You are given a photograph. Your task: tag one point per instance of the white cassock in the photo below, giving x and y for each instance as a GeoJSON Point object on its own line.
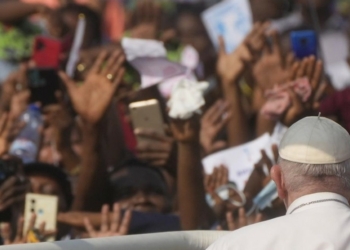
{"type": "Point", "coordinates": [319, 221]}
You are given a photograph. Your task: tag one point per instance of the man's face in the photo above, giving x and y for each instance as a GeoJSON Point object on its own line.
{"type": "Point", "coordinates": [148, 195]}
{"type": "Point", "coordinates": [145, 199]}
{"type": "Point", "coordinates": [41, 184]}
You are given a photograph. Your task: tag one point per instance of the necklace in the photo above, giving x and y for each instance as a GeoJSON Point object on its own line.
{"type": "Point", "coordinates": [318, 201]}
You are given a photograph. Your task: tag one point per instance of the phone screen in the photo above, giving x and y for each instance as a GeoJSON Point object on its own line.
{"type": "Point", "coordinates": [43, 84]}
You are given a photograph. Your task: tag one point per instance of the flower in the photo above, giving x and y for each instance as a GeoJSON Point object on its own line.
{"type": "Point", "coordinates": [186, 99]}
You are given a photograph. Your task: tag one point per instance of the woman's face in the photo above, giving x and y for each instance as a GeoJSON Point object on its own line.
{"type": "Point", "coordinates": [141, 192]}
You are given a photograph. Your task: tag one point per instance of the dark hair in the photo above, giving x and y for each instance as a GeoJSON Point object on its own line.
{"type": "Point", "coordinates": [93, 34]}
{"type": "Point", "coordinates": [54, 173]}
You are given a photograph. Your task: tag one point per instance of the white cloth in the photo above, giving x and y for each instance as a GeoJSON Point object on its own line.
{"type": "Point", "coordinates": [319, 226]}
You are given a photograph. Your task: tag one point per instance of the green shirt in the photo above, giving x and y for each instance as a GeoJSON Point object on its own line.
{"type": "Point", "coordinates": [16, 42]}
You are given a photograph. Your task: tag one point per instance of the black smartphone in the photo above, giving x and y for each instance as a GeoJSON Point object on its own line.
{"type": "Point", "coordinates": [8, 168]}
{"type": "Point", "coordinates": [43, 84]}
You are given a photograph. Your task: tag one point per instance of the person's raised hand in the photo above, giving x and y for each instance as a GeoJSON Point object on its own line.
{"type": "Point", "coordinates": [256, 39]}
{"type": "Point", "coordinates": [311, 68]}
{"type": "Point", "coordinates": [5, 125]}
{"type": "Point", "coordinates": [145, 20]}
{"type": "Point", "coordinates": [259, 178]}
{"type": "Point", "coordinates": [87, 57]}
{"type": "Point", "coordinates": [273, 67]}
{"type": "Point", "coordinates": [218, 178]}
{"type": "Point", "coordinates": [6, 233]}
{"type": "Point", "coordinates": [20, 238]}
{"type": "Point", "coordinates": [42, 233]}
{"type": "Point", "coordinates": [186, 131]}
{"type": "Point", "coordinates": [212, 122]}
{"type": "Point", "coordinates": [14, 84]}
{"type": "Point", "coordinates": [91, 99]}
{"type": "Point", "coordinates": [156, 149]}
{"type": "Point", "coordinates": [10, 122]}
{"type": "Point", "coordinates": [115, 225]}
{"type": "Point", "coordinates": [19, 103]}
{"type": "Point", "coordinates": [230, 66]}
{"type": "Point", "coordinates": [242, 220]}
{"type": "Point", "coordinates": [10, 127]}
{"type": "Point", "coordinates": [12, 191]}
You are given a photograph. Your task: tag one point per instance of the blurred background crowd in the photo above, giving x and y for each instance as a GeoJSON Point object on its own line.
{"type": "Point", "coordinates": [66, 130]}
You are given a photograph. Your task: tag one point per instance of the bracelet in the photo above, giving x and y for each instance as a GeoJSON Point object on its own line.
{"type": "Point", "coordinates": [224, 193]}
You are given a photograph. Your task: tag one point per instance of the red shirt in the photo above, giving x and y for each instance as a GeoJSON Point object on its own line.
{"type": "Point", "coordinates": [338, 104]}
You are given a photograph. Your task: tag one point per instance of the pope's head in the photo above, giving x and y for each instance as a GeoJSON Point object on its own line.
{"type": "Point", "coordinates": [314, 156]}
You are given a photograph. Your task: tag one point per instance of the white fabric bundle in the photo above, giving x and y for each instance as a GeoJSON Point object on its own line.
{"type": "Point", "coordinates": [187, 99]}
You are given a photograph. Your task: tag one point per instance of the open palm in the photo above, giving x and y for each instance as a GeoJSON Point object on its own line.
{"type": "Point", "coordinates": [92, 98]}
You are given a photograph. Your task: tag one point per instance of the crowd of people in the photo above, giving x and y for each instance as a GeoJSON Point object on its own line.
{"type": "Point", "coordinates": [109, 182]}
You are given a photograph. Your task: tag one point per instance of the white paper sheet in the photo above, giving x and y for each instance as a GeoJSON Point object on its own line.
{"type": "Point", "coordinates": [148, 57]}
{"type": "Point", "coordinates": [135, 48]}
{"type": "Point", "coordinates": [156, 70]}
{"type": "Point", "coordinates": [278, 133]}
{"type": "Point", "coordinates": [239, 160]}
{"type": "Point", "coordinates": [231, 19]}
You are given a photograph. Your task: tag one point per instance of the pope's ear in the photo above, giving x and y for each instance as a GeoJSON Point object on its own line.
{"type": "Point", "coordinates": [277, 177]}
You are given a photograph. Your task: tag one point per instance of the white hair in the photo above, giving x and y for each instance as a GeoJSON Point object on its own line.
{"type": "Point", "coordinates": [301, 175]}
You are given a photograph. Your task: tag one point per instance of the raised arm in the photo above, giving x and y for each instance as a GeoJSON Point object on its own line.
{"type": "Point", "coordinates": [190, 179]}
{"type": "Point", "coordinates": [13, 11]}
{"type": "Point", "coordinates": [91, 101]}
{"type": "Point", "coordinates": [230, 68]}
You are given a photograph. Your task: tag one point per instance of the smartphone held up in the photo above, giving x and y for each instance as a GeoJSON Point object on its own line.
{"type": "Point", "coordinates": [304, 43]}
{"type": "Point", "coordinates": [147, 115]}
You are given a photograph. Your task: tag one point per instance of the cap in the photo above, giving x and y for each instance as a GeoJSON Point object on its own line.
{"type": "Point", "coordinates": [315, 140]}
{"type": "Point", "coordinates": [54, 173]}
